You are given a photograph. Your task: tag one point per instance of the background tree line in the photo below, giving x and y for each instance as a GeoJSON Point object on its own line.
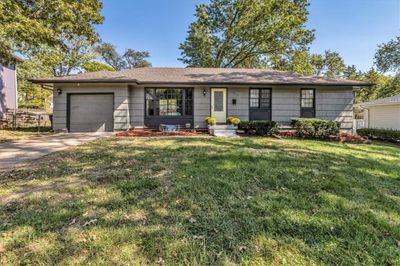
{"type": "Point", "coordinates": [58, 38]}
{"type": "Point", "coordinates": [272, 33]}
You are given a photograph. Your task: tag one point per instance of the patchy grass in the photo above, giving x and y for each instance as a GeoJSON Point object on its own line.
{"type": "Point", "coordinates": [205, 201]}
{"type": "Point", "coordinates": [22, 133]}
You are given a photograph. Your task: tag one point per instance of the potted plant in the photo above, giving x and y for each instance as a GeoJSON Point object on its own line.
{"type": "Point", "coordinates": [233, 121]}
{"type": "Point", "coordinates": [210, 121]}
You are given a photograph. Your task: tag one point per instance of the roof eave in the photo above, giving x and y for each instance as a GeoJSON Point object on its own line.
{"type": "Point", "coordinates": [58, 81]}
{"type": "Point", "coordinates": [379, 104]}
{"type": "Point", "coordinates": [52, 81]}
{"type": "Point", "coordinates": [254, 83]}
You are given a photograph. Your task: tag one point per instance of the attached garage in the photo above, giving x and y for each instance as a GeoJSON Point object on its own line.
{"type": "Point", "coordinates": [90, 112]}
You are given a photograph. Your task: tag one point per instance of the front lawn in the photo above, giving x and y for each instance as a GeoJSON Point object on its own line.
{"type": "Point", "coordinates": [204, 201]}
{"type": "Point", "coordinates": [22, 133]}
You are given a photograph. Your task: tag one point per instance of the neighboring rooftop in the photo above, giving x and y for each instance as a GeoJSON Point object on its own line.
{"type": "Point", "coordinates": [199, 76]}
{"type": "Point", "coordinates": [383, 101]}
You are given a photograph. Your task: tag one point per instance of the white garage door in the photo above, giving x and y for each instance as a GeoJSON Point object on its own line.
{"type": "Point", "coordinates": [386, 117]}
{"type": "Point", "coordinates": [91, 112]}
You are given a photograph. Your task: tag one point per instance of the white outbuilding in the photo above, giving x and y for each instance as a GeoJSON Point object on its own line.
{"type": "Point", "coordinates": [382, 113]}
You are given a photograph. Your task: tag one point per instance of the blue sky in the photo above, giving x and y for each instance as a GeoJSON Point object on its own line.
{"type": "Point", "coordinates": [353, 28]}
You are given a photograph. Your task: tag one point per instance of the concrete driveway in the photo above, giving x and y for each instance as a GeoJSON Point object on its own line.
{"type": "Point", "coordinates": [20, 152]}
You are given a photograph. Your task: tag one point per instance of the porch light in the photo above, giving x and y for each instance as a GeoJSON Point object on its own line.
{"type": "Point", "coordinates": [59, 91]}
{"type": "Point", "coordinates": [204, 92]}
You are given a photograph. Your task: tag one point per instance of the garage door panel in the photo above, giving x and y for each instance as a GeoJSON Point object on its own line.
{"type": "Point", "coordinates": [91, 112]}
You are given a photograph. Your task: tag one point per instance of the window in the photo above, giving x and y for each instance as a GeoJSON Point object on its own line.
{"type": "Point", "coordinates": [260, 98]}
{"type": "Point", "coordinates": [169, 102]}
{"type": "Point", "coordinates": [307, 98]}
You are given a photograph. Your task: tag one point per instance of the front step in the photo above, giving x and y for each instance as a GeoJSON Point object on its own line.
{"type": "Point", "coordinates": [227, 131]}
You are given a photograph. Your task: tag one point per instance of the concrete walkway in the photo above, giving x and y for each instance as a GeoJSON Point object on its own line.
{"type": "Point", "coordinates": [17, 153]}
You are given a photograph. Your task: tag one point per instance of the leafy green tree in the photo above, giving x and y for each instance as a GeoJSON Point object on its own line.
{"type": "Point", "coordinates": [108, 53]}
{"type": "Point", "coordinates": [245, 33]}
{"type": "Point", "coordinates": [67, 57]}
{"type": "Point", "coordinates": [389, 87]}
{"type": "Point", "coordinates": [352, 73]}
{"type": "Point", "coordinates": [387, 57]}
{"type": "Point", "coordinates": [368, 93]}
{"type": "Point", "coordinates": [27, 91]}
{"type": "Point", "coordinates": [330, 64]}
{"type": "Point", "coordinates": [135, 59]}
{"type": "Point", "coordinates": [93, 66]}
{"type": "Point", "coordinates": [26, 25]}
{"type": "Point", "coordinates": [130, 59]}
{"type": "Point", "coordinates": [333, 65]}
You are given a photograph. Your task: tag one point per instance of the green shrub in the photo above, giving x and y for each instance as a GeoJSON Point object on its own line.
{"type": "Point", "coordinates": [233, 120]}
{"type": "Point", "coordinates": [210, 120]}
{"type": "Point", "coordinates": [381, 134]}
{"type": "Point", "coordinates": [32, 105]}
{"type": "Point", "coordinates": [259, 128]}
{"type": "Point", "coordinates": [315, 128]}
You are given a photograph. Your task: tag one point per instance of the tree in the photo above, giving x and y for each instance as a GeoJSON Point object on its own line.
{"type": "Point", "coordinates": [389, 86]}
{"type": "Point", "coordinates": [68, 56]}
{"type": "Point", "coordinates": [135, 59]}
{"type": "Point", "coordinates": [377, 90]}
{"type": "Point", "coordinates": [387, 57]}
{"type": "Point", "coordinates": [245, 33]}
{"type": "Point", "coordinates": [330, 64]}
{"type": "Point", "coordinates": [130, 59]}
{"type": "Point", "coordinates": [352, 73]}
{"type": "Point", "coordinates": [108, 53]}
{"type": "Point", "coordinates": [27, 25]}
{"type": "Point", "coordinates": [94, 66]}
{"type": "Point", "coordinates": [27, 91]}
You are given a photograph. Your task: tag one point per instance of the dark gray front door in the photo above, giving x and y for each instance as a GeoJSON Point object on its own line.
{"type": "Point", "coordinates": [91, 112]}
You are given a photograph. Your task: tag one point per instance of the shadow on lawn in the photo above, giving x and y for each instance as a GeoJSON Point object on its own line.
{"type": "Point", "coordinates": [208, 201]}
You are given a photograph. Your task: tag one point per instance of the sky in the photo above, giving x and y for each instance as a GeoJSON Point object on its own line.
{"type": "Point", "coordinates": [354, 28]}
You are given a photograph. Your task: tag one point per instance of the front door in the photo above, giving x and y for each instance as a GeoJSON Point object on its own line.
{"type": "Point", "coordinates": [218, 104]}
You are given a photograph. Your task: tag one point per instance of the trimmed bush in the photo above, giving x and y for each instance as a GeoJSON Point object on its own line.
{"type": "Point", "coordinates": [315, 128]}
{"type": "Point", "coordinates": [233, 120]}
{"type": "Point", "coordinates": [210, 120]}
{"type": "Point", "coordinates": [259, 128]}
{"type": "Point", "coordinates": [381, 134]}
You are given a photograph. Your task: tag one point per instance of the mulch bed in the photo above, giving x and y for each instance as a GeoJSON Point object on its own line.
{"type": "Point", "coordinates": [157, 133]}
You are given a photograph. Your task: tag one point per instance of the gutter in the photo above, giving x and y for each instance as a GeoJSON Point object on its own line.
{"type": "Point", "coordinates": [379, 104]}
{"type": "Point", "coordinates": [52, 81]}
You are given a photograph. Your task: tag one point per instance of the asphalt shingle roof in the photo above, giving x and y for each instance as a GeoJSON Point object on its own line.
{"type": "Point", "coordinates": [199, 76]}
{"type": "Point", "coordinates": [383, 101]}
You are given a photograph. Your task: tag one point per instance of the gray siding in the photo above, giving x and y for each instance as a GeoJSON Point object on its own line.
{"type": "Point", "coordinates": [241, 108]}
{"type": "Point", "coordinates": [335, 104]}
{"type": "Point", "coordinates": [285, 103]}
{"type": "Point", "coordinates": [136, 106]}
{"type": "Point", "coordinates": [202, 106]}
{"type": "Point", "coordinates": [121, 109]}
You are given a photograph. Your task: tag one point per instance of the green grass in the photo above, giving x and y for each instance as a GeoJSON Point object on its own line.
{"type": "Point", "coordinates": [250, 201]}
{"type": "Point", "coordinates": [22, 133]}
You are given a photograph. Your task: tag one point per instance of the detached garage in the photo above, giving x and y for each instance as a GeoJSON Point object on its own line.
{"type": "Point", "coordinates": [90, 112]}
{"type": "Point", "coordinates": [382, 113]}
